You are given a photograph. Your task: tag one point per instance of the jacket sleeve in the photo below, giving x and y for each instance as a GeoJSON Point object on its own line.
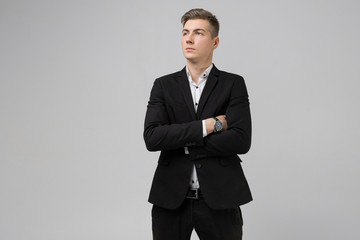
{"type": "Point", "coordinates": [237, 138]}
{"type": "Point", "coordinates": [160, 133]}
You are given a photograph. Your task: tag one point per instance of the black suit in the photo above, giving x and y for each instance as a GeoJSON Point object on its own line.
{"type": "Point", "coordinates": [171, 124]}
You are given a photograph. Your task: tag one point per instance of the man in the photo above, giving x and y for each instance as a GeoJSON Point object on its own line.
{"type": "Point", "coordinates": [199, 119]}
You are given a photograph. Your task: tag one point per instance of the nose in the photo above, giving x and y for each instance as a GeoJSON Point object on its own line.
{"type": "Point", "coordinates": [189, 39]}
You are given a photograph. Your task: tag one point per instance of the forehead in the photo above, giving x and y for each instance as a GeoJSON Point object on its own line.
{"type": "Point", "coordinates": [197, 24]}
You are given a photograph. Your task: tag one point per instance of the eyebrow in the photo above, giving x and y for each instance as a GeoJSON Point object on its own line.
{"type": "Point", "coordinates": [195, 30]}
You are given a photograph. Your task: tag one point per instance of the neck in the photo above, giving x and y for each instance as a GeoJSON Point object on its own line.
{"type": "Point", "coordinates": [196, 69]}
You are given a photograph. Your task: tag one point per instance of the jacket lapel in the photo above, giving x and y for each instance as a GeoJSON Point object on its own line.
{"type": "Point", "coordinates": [185, 88]}
{"type": "Point", "coordinates": [209, 86]}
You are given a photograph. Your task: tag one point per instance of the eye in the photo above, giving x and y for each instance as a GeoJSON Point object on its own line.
{"type": "Point", "coordinates": [184, 33]}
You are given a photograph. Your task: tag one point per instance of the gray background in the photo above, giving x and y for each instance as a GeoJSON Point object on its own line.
{"type": "Point", "coordinates": [75, 78]}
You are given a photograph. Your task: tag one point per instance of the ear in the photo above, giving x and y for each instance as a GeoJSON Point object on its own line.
{"type": "Point", "coordinates": [216, 42]}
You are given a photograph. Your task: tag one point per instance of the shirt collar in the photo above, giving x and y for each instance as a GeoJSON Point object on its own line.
{"type": "Point", "coordinates": [205, 74]}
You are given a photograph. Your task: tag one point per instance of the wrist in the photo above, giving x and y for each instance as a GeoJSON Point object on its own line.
{"type": "Point", "coordinates": [210, 122]}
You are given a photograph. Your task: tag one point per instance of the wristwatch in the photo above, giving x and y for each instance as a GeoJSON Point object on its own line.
{"type": "Point", "coordinates": [217, 125]}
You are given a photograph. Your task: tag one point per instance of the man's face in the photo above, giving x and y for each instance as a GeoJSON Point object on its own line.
{"type": "Point", "coordinates": [197, 42]}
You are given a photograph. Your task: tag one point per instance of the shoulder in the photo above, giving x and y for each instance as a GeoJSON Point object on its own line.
{"type": "Point", "coordinates": [221, 74]}
{"type": "Point", "coordinates": [228, 75]}
{"type": "Point", "coordinates": [236, 81]}
{"type": "Point", "coordinates": [170, 80]}
{"type": "Point", "coordinates": [170, 76]}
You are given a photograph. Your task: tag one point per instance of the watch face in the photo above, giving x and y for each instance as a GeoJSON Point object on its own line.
{"type": "Point", "coordinates": [218, 126]}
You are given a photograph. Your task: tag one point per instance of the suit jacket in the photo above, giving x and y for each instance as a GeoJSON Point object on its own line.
{"type": "Point", "coordinates": [171, 124]}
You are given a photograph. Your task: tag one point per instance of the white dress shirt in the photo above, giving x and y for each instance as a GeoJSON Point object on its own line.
{"type": "Point", "coordinates": [196, 91]}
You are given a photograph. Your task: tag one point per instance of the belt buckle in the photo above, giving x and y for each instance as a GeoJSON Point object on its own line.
{"type": "Point", "coordinates": [196, 194]}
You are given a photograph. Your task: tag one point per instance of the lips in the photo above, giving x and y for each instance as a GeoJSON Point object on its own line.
{"type": "Point", "coordinates": [189, 48]}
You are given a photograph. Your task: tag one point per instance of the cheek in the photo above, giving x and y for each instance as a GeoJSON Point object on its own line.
{"type": "Point", "coordinates": [183, 42]}
{"type": "Point", "coordinates": [203, 41]}
{"type": "Point", "coordinates": [204, 45]}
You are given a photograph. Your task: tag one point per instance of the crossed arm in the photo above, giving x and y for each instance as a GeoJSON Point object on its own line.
{"type": "Point", "coordinates": [161, 134]}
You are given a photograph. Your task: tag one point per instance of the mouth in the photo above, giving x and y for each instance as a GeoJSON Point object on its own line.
{"type": "Point", "coordinates": [189, 49]}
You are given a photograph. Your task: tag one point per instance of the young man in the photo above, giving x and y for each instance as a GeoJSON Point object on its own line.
{"type": "Point", "coordinates": [199, 118]}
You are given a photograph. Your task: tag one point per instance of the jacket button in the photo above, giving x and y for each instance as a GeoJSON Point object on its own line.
{"type": "Point", "coordinates": [198, 165]}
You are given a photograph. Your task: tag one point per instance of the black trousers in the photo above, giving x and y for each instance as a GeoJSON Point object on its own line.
{"type": "Point", "coordinates": [208, 223]}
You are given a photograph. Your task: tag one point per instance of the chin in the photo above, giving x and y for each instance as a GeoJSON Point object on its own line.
{"type": "Point", "coordinates": [189, 56]}
{"type": "Point", "coordinates": [190, 59]}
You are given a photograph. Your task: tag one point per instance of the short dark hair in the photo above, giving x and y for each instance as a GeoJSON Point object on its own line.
{"type": "Point", "coordinates": [199, 13]}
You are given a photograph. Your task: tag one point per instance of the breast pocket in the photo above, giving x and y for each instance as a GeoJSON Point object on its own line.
{"type": "Point", "coordinates": [179, 112]}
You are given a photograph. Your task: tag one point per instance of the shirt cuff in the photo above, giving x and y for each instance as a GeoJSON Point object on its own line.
{"type": "Point", "coordinates": [186, 150]}
{"type": "Point", "coordinates": [204, 128]}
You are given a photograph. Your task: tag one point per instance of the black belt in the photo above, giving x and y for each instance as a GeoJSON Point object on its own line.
{"type": "Point", "coordinates": [193, 193]}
